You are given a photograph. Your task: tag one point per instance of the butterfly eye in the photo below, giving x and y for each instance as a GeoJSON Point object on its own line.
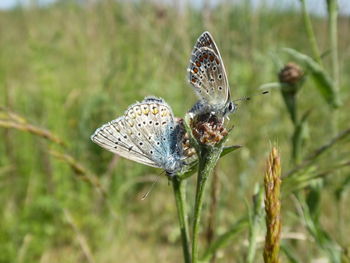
{"type": "Point", "coordinates": [231, 107]}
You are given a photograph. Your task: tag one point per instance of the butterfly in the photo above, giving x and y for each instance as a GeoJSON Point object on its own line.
{"type": "Point", "coordinates": [208, 77]}
{"type": "Point", "coordinates": [147, 133]}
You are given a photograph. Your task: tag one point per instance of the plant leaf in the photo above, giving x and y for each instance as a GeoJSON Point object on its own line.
{"type": "Point", "coordinates": [229, 149]}
{"type": "Point", "coordinates": [323, 81]}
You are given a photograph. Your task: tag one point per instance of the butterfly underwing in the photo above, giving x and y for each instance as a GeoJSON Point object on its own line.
{"type": "Point", "coordinates": [147, 133]}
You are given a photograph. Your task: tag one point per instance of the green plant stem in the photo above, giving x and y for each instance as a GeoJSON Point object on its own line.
{"type": "Point", "coordinates": [296, 147]}
{"type": "Point", "coordinates": [297, 142]}
{"type": "Point", "coordinates": [212, 213]}
{"type": "Point", "coordinates": [333, 32]}
{"type": "Point", "coordinates": [208, 157]}
{"type": "Point", "coordinates": [298, 138]}
{"type": "Point", "coordinates": [333, 36]}
{"type": "Point", "coordinates": [254, 223]}
{"type": "Point", "coordinates": [290, 100]}
{"type": "Point", "coordinates": [310, 33]}
{"type": "Point", "coordinates": [252, 241]}
{"type": "Point", "coordinates": [180, 199]}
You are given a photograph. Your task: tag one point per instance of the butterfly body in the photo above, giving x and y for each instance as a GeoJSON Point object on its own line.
{"type": "Point", "coordinates": [208, 77]}
{"type": "Point", "coordinates": [147, 134]}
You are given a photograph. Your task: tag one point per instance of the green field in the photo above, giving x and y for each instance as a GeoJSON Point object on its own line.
{"type": "Point", "coordinates": [68, 68]}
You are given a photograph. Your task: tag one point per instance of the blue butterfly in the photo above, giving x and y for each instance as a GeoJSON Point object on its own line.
{"type": "Point", "coordinates": [147, 133]}
{"type": "Point", "coordinates": [208, 77]}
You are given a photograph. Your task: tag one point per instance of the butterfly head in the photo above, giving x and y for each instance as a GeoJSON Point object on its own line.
{"type": "Point", "coordinates": [230, 108]}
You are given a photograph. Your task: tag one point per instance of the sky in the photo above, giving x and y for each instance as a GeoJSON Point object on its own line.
{"type": "Point", "coordinates": [314, 6]}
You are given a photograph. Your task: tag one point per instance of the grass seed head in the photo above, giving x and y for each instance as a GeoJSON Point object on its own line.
{"type": "Point", "coordinates": [272, 183]}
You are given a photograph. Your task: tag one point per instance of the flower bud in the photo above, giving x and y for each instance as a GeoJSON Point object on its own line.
{"type": "Point", "coordinates": [291, 74]}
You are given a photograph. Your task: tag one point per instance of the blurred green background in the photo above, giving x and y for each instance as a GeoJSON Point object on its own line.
{"type": "Point", "coordinates": [70, 67]}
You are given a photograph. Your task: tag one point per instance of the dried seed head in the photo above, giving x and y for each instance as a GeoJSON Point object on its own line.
{"type": "Point", "coordinates": [208, 130]}
{"type": "Point", "coordinates": [188, 150]}
{"type": "Point", "coordinates": [291, 74]}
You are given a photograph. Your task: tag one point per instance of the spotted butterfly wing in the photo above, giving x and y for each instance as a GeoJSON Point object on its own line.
{"type": "Point", "coordinates": [114, 137]}
{"type": "Point", "coordinates": [207, 73]}
{"type": "Point", "coordinates": [206, 40]}
{"type": "Point", "coordinates": [147, 134]}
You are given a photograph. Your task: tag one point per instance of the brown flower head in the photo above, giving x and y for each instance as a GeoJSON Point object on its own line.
{"type": "Point", "coordinates": [208, 129]}
{"type": "Point", "coordinates": [188, 150]}
{"type": "Point", "coordinates": [291, 74]}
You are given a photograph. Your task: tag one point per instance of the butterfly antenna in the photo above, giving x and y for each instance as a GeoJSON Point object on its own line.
{"type": "Point", "coordinates": [249, 97]}
{"type": "Point", "coordinates": [152, 186]}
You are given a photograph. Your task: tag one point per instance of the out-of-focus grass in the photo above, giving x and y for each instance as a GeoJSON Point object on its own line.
{"type": "Point", "coordinates": [70, 68]}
